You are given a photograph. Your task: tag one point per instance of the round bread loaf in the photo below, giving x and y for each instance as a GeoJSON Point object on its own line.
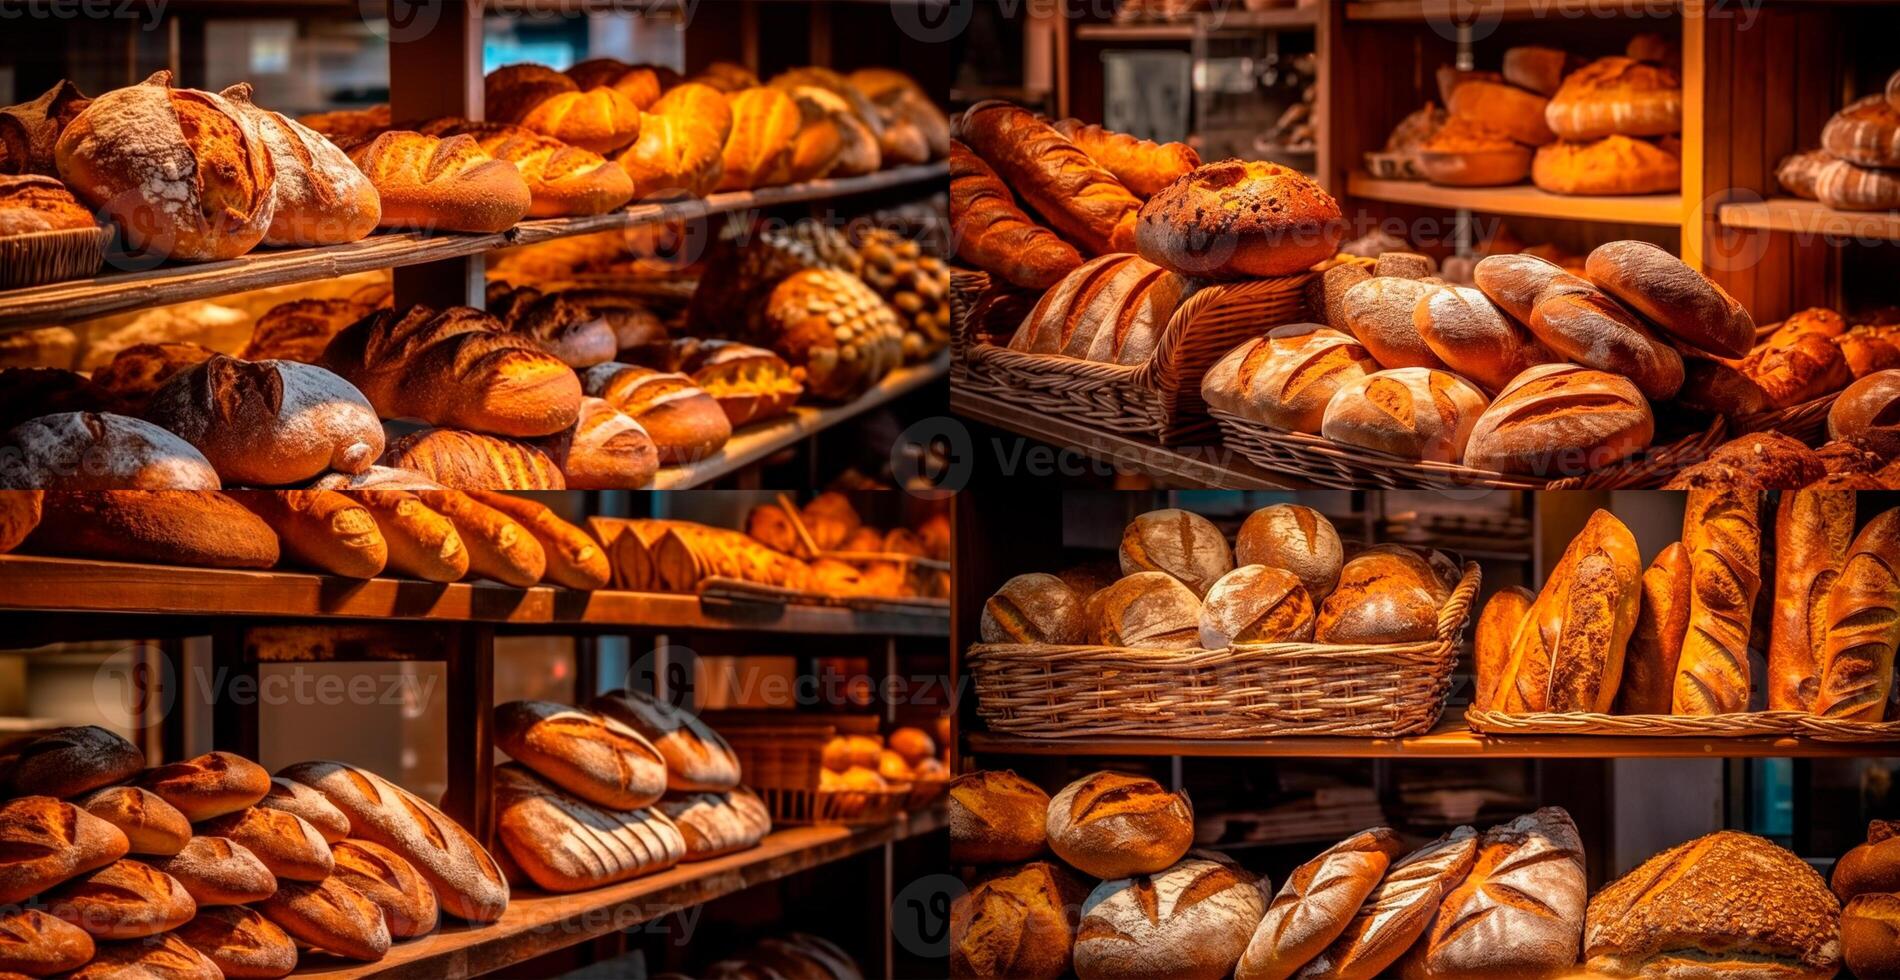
{"type": "Point", "coordinates": [1868, 411]}
{"type": "Point", "coordinates": [1415, 413]}
{"type": "Point", "coordinates": [269, 422]}
{"type": "Point", "coordinates": [1113, 825]}
{"type": "Point", "coordinates": [1865, 132]}
{"type": "Point", "coordinates": [996, 817]}
{"type": "Point", "coordinates": [150, 825]}
{"type": "Point", "coordinates": [1801, 370]}
{"type": "Point", "coordinates": [697, 758]}
{"type": "Point", "coordinates": [1286, 377]}
{"type": "Point", "coordinates": [1385, 595]}
{"type": "Point", "coordinates": [1516, 281]}
{"type": "Point", "coordinates": [1617, 95]}
{"type": "Point", "coordinates": [590, 755]}
{"type": "Point", "coordinates": [167, 957]}
{"type": "Point", "coordinates": [331, 916]}
{"type": "Point", "coordinates": [321, 198]}
{"type": "Point", "coordinates": [1240, 220]}
{"type": "Point", "coordinates": [126, 899]}
{"type": "Point", "coordinates": [1147, 611]}
{"type": "Point", "coordinates": [1512, 111]}
{"type": "Point", "coordinates": [1378, 311]}
{"type": "Point", "coordinates": [1296, 538]}
{"type": "Point", "coordinates": [1561, 420]}
{"type": "Point", "coordinates": [1592, 330]}
{"type": "Point", "coordinates": [48, 842]}
{"type": "Point", "coordinates": [383, 877]}
{"type": "Point", "coordinates": [1256, 604]}
{"type": "Point", "coordinates": [1033, 608]}
{"type": "Point", "coordinates": [1016, 923]}
{"type": "Point", "coordinates": [1870, 867]}
{"type": "Point", "coordinates": [1178, 542]}
{"type": "Point", "coordinates": [1191, 921]}
{"type": "Point", "coordinates": [1316, 903]}
{"type": "Point", "coordinates": [1665, 291]}
{"type": "Point", "coordinates": [1851, 187]}
{"type": "Point", "coordinates": [100, 451]}
{"type": "Point", "coordinates": [218, 871]}
{"type": "Point", "coordinates": [210, 785]}
{"type": "Point", "coordinates": [1475, 339]}
{"type": "Point", "coordinates": [1611, 165]}
{"type": "Point", "coordinates": [285, 842]}
{"type": "Point", "coordinates": [241, 942]}
{"type": "Point", "coordinates": [1870, 935]}
{"type": "Point", "coordinates": [70, 761]}
{"type": "Point", "coordinates": [39, 945]}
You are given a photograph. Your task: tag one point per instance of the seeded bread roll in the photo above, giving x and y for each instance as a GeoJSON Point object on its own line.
{"type": "Point", "coordinates": [1491, 643]}
{"type": "Point", "coordinates": [574, 558]}
{"type": "Point", "coordinates": [219, 871]}
{"type": "Point", "coordinates": [1256, 604]}
{"type": "Point", "coordinates": [996, 817]}
{"type": "Point", "coordinates": [39, 945]}
{"type": "Point", "coordinates": [1414, 412]}
{"type": "Point", "coordinates": [1655, 648]}
{"type": "Point", "coordinates": [126, 899]}
{"type": "Point", "coordinates": [1527, 883]}
{"type": "Point", "coordinates": [70, 761]}
{"type": "Point", "coordinates": [1316, 903]}
{"type": "Point", "coordinates": [1146, 610]}
{"type": "Point", "coordinates": [1286, 377]}
{"type": "Point", "coordinates": [1379, 311]}
{"type": "Point", "coordinates": [1182, 544]}
{"type": "Point", "coordinates": [151, 825]}
{"type": "Point", "coordinates": [566, 844]}
{"type": "Point", "coordinates": [392, 883]}
{"type": "Point", "coordinates": [713, 824]}
{"type": "Point", "coordinates": [1033, 608]}
{"type": "Point", "coordinates": [1113, 825]}
{"type": "Point", "coordinates": [321, 529]}
{"type": "Point", "coordinates": [421, 542]}
{"type": "Point", "coordinates": [1190, 921]}
{"type": "Point", "coordinates": [590, 755]}
{"type": "Point", "coordinates": [697, 758]}
{"type": "Point", "coordinates": [285, 842]}
{"type": "Point", "coordinates": [1296, 538]}
{"type": "Point", "coordinates": [242, 943]}
{"type": "Point", "coordinates": [1561, 420]}
{"type": "Point", "coordinates": [1018, 922]}
{"type": "Point", "coordinates": [1387, 594]}
{"type": "Point", "coordinates": [1475, 339]}
{"type": "Point", "coordinates": [166, 956]}
{"type": "Point", "coordinates": [1668, 293]}
{"type": "Point", "coordinates": [1397, 912]}
{"type": "Point", "coordinates": [1240, 220]}
{"type": "Point", "coordinates": [210, 785]}
{"type": "Point", "coordinates": [1814, 530]}
{"type": "Point", "coordinates": [331, 916]}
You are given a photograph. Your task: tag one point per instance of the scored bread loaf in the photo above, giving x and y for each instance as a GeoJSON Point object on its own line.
{"type": "Point", "coordinates": [574, 558]}
{"type": "Point", "coordinates": [441, 184]}
{"type": "Point", "coordinates": [1474, 339]}
{"type": "Point", "coordinates": [331, 916]}
{"type": "Point", "coordinates": [1398, 911]}
{"type": "Point", "coordinates": [420, 542]}
{"type": "Point", "coordinates": [1518, 913]}
{"type": "Point", "coordinates": [300, 329]}
{"type": "Point", "coordinates": [1846, 186]}
{"type": "Point", "coordinates": [749, 383]}
{"type": "Point", "coordinates": [685, 423]}
{"type": "Point", "coordinates": [126, 899]}
{"type": "Point", "coordinates": [1296, 538]}
{"type": "Point", "coordinates": [765, 124]}
{"type": "Point", "coordinates": [1018, 922]}
{"type": "Point", "coordinates": [321, 529]}
{"type": "Point", "coordinates": [1538, 69]}
{"type": "Point", "coordinates": [713, 824]}
{"type": "Point", "coordinates": [47, 842]}
{"type": "Point", "coordinates": [269, 422]}
{"type": "Point", "coordinates": [697, 758]}
{"type": "Point", "coordinates": [1256, 604]}
{"type": "Point", "coordinates": [1516, 282]}
{"type": "Point", "coordinates": [391, 883]}
{"type": "Point", "coordinates": [1113, 825]}
{"type": "Point", "coordinates": [287, 844]}
{"type": "Point", "coordinates": [562, 179]}
{"type": "Point", "coordinates": [1286, 377]}
{"type": "Point", "coordinates": [1813, 531]}
{"type": "Point", "coordinates": [1721, 529]}
{"type": "Point", "coordinates": [994, 235]}
{"type": "Point", "coordinates": [1386, 594]}
{"type": "Point", "coordinates": [240, 942]}
{"type": "Point", "coordinates": [590, 755]}
{"type": "Point", "coordinates": [1316, 903]}
{"type": "Point", "coordinates": [1560, 420]}
{"type": "Point", "coordinates": [1143, 166]}
{"type": "Point", "coordinates": [566, 844]}
{"type": "Point", "coordinates": [1617, 95]}
{"type": "Point", "coordinates": [472, 461]}
{"type": "Point", "coordinates": [209, 785]}
{"type": "Point", "coordinates": [1568, 654]}
{"type": "Point", "coordinates": [1865, 132]}
{"type": "Point", "coordinates": [498, 547]}
{"type": "Point", "coordinates": [1411, 412]}
{"type": "Point", "coordinates": [996, 817]}
{"type": "Point", "coordinates": [685, 555]}
{"type": "Point", "coordinates": [100, 451]}
{"type": "Point", "coordinates": [1181, 543]}
{"type": "Point", "coordinates": [218, 871]}
{"type": "Point", "coordinates": [1147, 611]}
{"type": "Point", "coordinates": [1380, 311]}
{"type": "Point", "coordinates": [1591, 329]}
{"type": "Point", "coordinates": [1668, 293]}
{"type": "Point", "coordinates": [1515, 112]}
{"type": "Point", "coordinates": [167, 956]}
{"type": "Point", "coordinates": [1866, 412]}
{"type": "Point", "coordinates": [1855, 662]}
{"type": "Point", "coordinates": [682, 144]}
{"type": "Point", "coordinates": [1240, 220]}
{"type": "Point", "coordinates": [464, 877]}
{"type": "Point", "coordinates": [1113, 309]}
{"type": "Point", "coordinates": [66, 762]}
{"type": "Point", "coordinates": [1081, 199]}
{"type": "Point", "coordinates": [1190, 921]}
{"type": "Point", "coordinates": [151, 825]}
{"type": "Point", "coordinates": [1611, 165]}
{"type": "Point", "coordinates": [36, 944]}
{"type": "Point", "coordinates": [321, 198]}
{"type": "Point", "coordinates": [1033, 608]}
{"type": "Point", "coordinates": [1655, 647]}
{"type": "Point", "coordinates": [1496, 634]}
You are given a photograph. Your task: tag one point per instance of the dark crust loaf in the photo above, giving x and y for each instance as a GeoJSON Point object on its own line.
{"type": "Point", "coordinates": [29, 130]}
{"type": "Point", "coordinates": [1238, 219]}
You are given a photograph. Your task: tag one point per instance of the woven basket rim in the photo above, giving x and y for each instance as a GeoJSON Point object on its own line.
{"type": "Point", "coordinates": [1740, 724]}
{"type": "Point", "coordinates": [1827, 729]}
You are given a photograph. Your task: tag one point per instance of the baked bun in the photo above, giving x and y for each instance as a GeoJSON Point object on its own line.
{"type": "Point", "coordinates": [218, 871]}
{"type": "Point", "coordinates": [151, 825]}
{"type": "Point", "coordinates": [442, 184]}
{"type": "Point", "coordinates": [1033, 608]}
{"type": "Point", "coordinates": [1414, 412]}
{"type": "Point", "coordinates": [1285, 378]}
{"type": "Point", "coordinates": [39, 945]}
{"type": "Point", "coordinates": [67, 762]}
{"type": "Point", "coordinates": [996, 817]}
{"type": "Point", "coordinates": [1190, 921]}
{"type": "Point", "coordinates": [100, 451]}
{"type": "Point", "coordinates": [126, 899]}
{"type": "Point", "coordinates": [1296, 538]}
{"type": "Point", "coordinates": [602, 120]}
{"type": "Point", "coordinates": [1256, 604]}
{"type": "Point", "coordinates": [1797, 172]}
{"type": "Point", "coordinates": [241, 942]}
{"type": "Point", "coordinates": [1611, 165]}
{"type": "Point", "coordinates": [1181, 543]}
{"type": "Point", "coordinates": [1386, 594]}
{"type": "Point", "coordinates": [1617, 95]}
{"type": "Point", "coordinates": [48, 842]}
{"type": "Point", "coordinates": [1146, 610]}
{"type": "Point", "coordinates": [1868, 411]}
{"type": "Point", "coordinates": [1865, 132]}
{"type": "Point", "coordinates": [1668, 293]}
{"type": "Point", "coordinates": [322, 199]}
{"type": "Point", "coordinates": [562, 179]}
{"type": "Point", "coordinates": [210, 785]}
{"type": "Point", "coordinates": [1113, 825]}
{"type": "Point", "coordinates": [1474, 338]}
{"type": "Point", "coordinates": [1870, 935]}
{"type": "Point", "coordinates": [1873, 866]}
{"type": "Point", "coordinates": [1561, 420]}
{"type": "Point", "coordinates": [682, 144]}
{"type": "Point", "coordinates": [285, 842]}
{"type": "Point", "coordinates": [1018, 922]}
{"type": "Point", "coordinates": [1381, 312]}
{"type": "Point", "coordinates": [1240, 220]}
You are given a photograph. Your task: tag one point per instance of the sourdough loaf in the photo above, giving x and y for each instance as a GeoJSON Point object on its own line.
{"type": "Point", "coordinates": [391, 883]}
{"type": "Point", "coordinates": [218, 871]}
{"type": "Point", "coordinates": [1147, 611]}
{"type": "Point", "coordinates": [1033, 608]}
{"type": "Point", "coordinates": [592, 756]}
{"type": "Point", "coordinates": [1395, 914]}
{"type": "Point", "coordinates": [1414, 413]}
{"type": "Point", "coordinates": [697, 758]}
{"type": "Point", "coordinates": [240, 942]}
{"type": "Point", "coordinates": [1316, 903]}
{"type": "Point", "coordinates": [1256, 604]}
{"type": "Point", "coordinates": [1296, 538]}
{"type": "Point", "coordinates": [713, 824]}
{"type": "Point", "coordinates": [1181, 543]}
{"type": "Point", "coordinates": [1240, 220]}
{"type": "Point", "coordinates": [1113, 825]}
{"type": "Point", "coordinates": [151, 825]}
{"type": "Point", "coordinates": [1568, 655]}
{"type": "Point", "coordinates": [1191, 921]}
{"type": "Point", "coordinates": [126, 899]}
{"type": "Point", "coordinates": [66, 762]}
{"type": "Point", "coordinates": [47, 842]}
{"type": "Point", "coordinates": [1560, 420]}
{"type": "Point", "coordinates": [1813, 531]}
{"type": "Point", "coordinates": [1518, 913]}
{"type": "Point", "coordinates": [1019, 922]}
{"type": "Point", "coordinates": [209, 785]}
{"type": "Point", "coordinates": [566, 844]}
{"type": "Point", "coordinates": [996, 817]}
{"type": "Point", "coordinates": [1286, 377]}
{"type": "Point", "coordinates": [1386, 594]}
{"type": "Point", "coordinates": [1112, 309]}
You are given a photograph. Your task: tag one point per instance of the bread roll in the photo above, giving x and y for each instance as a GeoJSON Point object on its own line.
{"type": "Point", "coordinates": [1286, 377]}
{"type": "Point", "coordinates": [1240, 220]}
{"type": "Point", "coordinates": [1113, 309]}
{"type": "Point", "coordinates": [1855, 665]}
{"type": "Point", "coordinates": [592, 756]}
{"type": "Point", "coordinates": [1191, 921]}
{"type": "Point", "coordinates": [1865, 132]}
{"type": "Point", "coordinates": [1474, 339]}
{"type": "Point", "coordinates": [1873, 866]}
{"type": "Point", "coordinates": [1568, 655]}
{"type": "Point", "coordinates": [287, 844]}
{"type": "Point", "coordinates": [1721, 530]}
{"type": "Point", "coordinates": [1033, 608]}
{"type": "Point", "coordinates": [697, 758]}
{"type": "Point", "coordinates": [39, 945]}
{"type": "Point", "coordinates": [151, 825]}
{"type": "Point", "coordinates": [1813, 532]}
{"type": "Point", "coordinates": [1019, 922]}
{"type": "Point", "coordinates": [1414, 412]}
{"type": "Point", "coordinates": [67, 762]}
{"type": "Point", "coordinates": [1718, 388]}
{"type": "Point", "coordinates": [48, 842]}
{"type": "Point", "coordinates": [392, 883]}
{"type": "Point", "coordinates": [1295, 538]}
{"type": "Point", "coordinates": [126, 899]}
{"type": "Point", "coordinates": [565, 844]}
{"type": "Point", "coordinates": [1516, 282]}
{"type": "Point", "coordinates": [441, 184]}
{"type": "Point", "coordinates": [1256, 604]}
{"type": "Point", "coordinates": [1491, 645]}
{"type": "Point", "coordinates": [574, 559]}
{"type": "Point", "coordinates": [321, 529]}
{"type": "Point", "coordinates": [1520, 910]}
{"type": "Point", "coordinates": [1869, 411]}
{"type": "Point", "coordinates": [1146, 610]}
{"type": "Point", "coordinates": [242, 943]}
{"type": "Point", "coordinates": [1380, 312]}
{"type": "Point", "coordinates": [1113, 825]}
{"type": "Point", "coordinates": [218, 871]}
{"type": "Point", "coordinates": [1182, 544]}
{"type": "Point", "coordinates": [166, 956]}
{"type": "Point", "coordinates": [1397, 912]}
{"type": "Point", "coordinates": [1592, 330]}
{"type": "Point", "coordinates": [714, 824]}
{"type": "Point", "coordinates": [1870, 935]}
{"type": "Point", "coordinates": [996, 817]}
{"type": "Point", "coordinates": [1386, 594]}
{"type": "Point", "coordinates": [331, 916]}
{"type": "Point", "coordinates": [1668, 293]}
{"type": "Point", "coordinates": [210, 785]}
{"type": "Point", "coordinates": [1561, 420]}
{"type": "Point", "coordinates": [1655, 648]}
{"type": "Point", "coordinates": [422, 543]}
{"type": "Point", "coordinates": [100, 451]}
{"type": "Point", "coordinates": [1616, 95]}
{"type": "Point", "coordinates": [1316, 903]}
{"type": "Point", "coordinates": [1079, 198]}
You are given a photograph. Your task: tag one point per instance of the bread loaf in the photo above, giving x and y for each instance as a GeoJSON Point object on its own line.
{"type": "Point", "coordinates": [994, 235]}
{"type": "Point", "coordinates": [1616, 95]}
{"type": "Point", "coordinates": [1590, 329]}
{"type": "Point", "coordinates": [1398, 911]}
{"type": "Point", "coordinates": [464, 877]}
{"type": "Point", "coordinates": [1518, 913]}
{"type": "Point", "coordinates": [1655, 648]}
{"type": "Point", "coordinates": [1413, 412]}
{"type": "Point", "coordinates": [1848, 187]}
{"type": "Point", "coordinates": [44, 842]}
{"type": "Point", "coordinates": [836, 329]}
{"type": "Point", "coordinates": [1256, 604]}
{"type": "Point", "coordinates": [240, 942]}
{"type": "Point", "coordinates": [498, 547]}
{"type": "Point", "coordinates": [1033, 608]}
{"type": "Point", "coordinates": [1512, 111]}
{"type": "Point", "coordinates": [1568, 655]}
{"type": "Point", "coordinates": [151, 825]}
{"type": "Point", "coordinates": [197, 528]}
{"type": "Point", "coordinates": [1611, 165]}
{"type": "Point", "coordinates": [713, 824]}
{"type": "Point", "coordinates": [1146, 610]}
{"type": "Point", "coordinates": [1728, 897]}
{"type": "Point", "coordinates": [288, 845]}
{"type": "Point", "coordinates": [570, 329]}
{"type": "Point", "coordinates": [1286, 377]}
{"type": "Point", "coordinates": [1721, 531]}
{"type": "Point", "coordinates": [565, 844]}
{"type": "Point", "coordinates": [166, 956]}
{"type": "Point", "coordinates": [1865, 132]}
{"type": "Point", "coordinates": [471, 460]}
{"type": "Point", "coordinates": [1380, 312]}
{"type": "Point", "coordinates": [1386, 594]}
{"type": "Point", "coordinates": [682, 144]}
{"type": "Point", "coordinates": [1298, 539]}
{"type": "Point", "coordinates": [1113, 309]}
{"type": "Point", "coordinates": [321, 529]}
{"type": "Point", "coordinates": [1143, 166]}
{"type": "Point", "coordinates": [1019, 922]}
{"type": "Point", "coordinates": [1516, 282]}
{"type": "Point", "coordinates": [29, 204]}
{"type": "Point", "coordinates": [996, 817]}
{"type": "Point", "coordinates": [1676, 298]}
{"type": "Point", "coordinates": [331, 916]}
{"type": "Point", "coordinates": [210, 785]}
{"type": "Point", "coordinates": [765, 122]}
{"type": "Point", "coordinates": [1868, 411]}
{"type": "Point", "coordinates": [697, 758]}
{"type": "Point", "coordinates": [391, 883]}
{"type": "Point", "coordinates": [562, 179]}
{"type": "Point", "coordinates": [574, 559]}
{"type": "Point", "coordinates": [1081, 199]}
{"type": "Point", "coordinates": [88, 451]}
{"type": "Point", "coordinates": [1191, 921]}
{"type": "Point", "coordinates": [421, 543]}
{"type": "Point", "coordinates": [1814, 530]}
{"type": "Point", "coordinates": [592, 756]}
{"type": "Point", "coordinates": [1178, 542]}
{"type": "Point", "coordinates": [218, 871]}
{"type": "Point", "coordinates": [1113, 825]}
{"type": "Point", "coordinates": [1862, 626]}
{"type": "Point", "coordinates": [321, 198]}
{"type": "Point", "coordinates": [67, 762]}
{"type": "Point", "coordinates": [685, 422]}
{"type": "Point", "coordinates": [1240, 220]}
{"type": "Point", "coordinates": [1718, 388]}
{"type": "Point", "coordinates": [29, 130]}
{"type": "Point", "coordinates": [1560, 420]}
{"type": "Point", "coordinates": [1316, 903]}
{"type": "Point", "coordinates": [269, 422]}
{"type": "Point", "coordinates": [1870, 935]}
{"type": "Point", "coordinates": [126, 899]}
{"type": "Point", "coordinates": [300, 329]}
{"type": "Point", "coordinates": [1491, 645]}
{"type": "Point", "coordinates": [315, 809]}
{"type": "Point", "coordinates": [1474, 339]}
{"type": "Point", "coordinates": [441, 184]}
{"type": "Point", "coordinates": [39, 945]}
{"type": "Point", "coordinates": [749, 383]}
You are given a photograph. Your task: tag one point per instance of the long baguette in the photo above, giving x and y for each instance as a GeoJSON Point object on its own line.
{"type": "Point", "coordinates": [1722, 531]}
{"type": "Point", "coordinates": [1649, 671]}
{"type": "Point", "coordinates": [1072, 192]}
{"type": "Point", "coordinates": [1813, 531]}
{"type": "Point", "coordinates": [687, 554]}
{"type": "Point", "coordinates": [994, 235]}
{"type": "Point", "coordinates": [1863, 626]}
{"type": "Point", "coordinates": [1568, 654]}
{"type": "Point", "coordinates": [1146, 167]}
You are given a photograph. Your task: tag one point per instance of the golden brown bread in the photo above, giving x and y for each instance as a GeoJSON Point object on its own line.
{"type": "Point", "coordinates": [1256, 604]}
{"type": "Point", "coordinates": [641, 83]}
{"type": "Point", "coordinates": [473, 461]}
{"type": "Point", "coordinates": [1190, 920]}
{"type": "Point", "coordinates": [566, 844]}
{"type": "Point", "coordinates": [312, 806]}
{"type": "Point", "coordinates": [1846, 186]}
{"type": "Point", "coordinates": [1868, 411]}
{"type": "Point", "coordinates": [1560, 420]}
{"type": "Point", "coordinates": [1412, 412]}
{"type": "Point", "coordinates": [1181, 543]}
{"type": "Point", "coordinates": [420, 542]}
{"type": "Point", "coordinates": [1474, 339]}
{"type": "Point", "coordinates": [1591, 329]}
{"type": "Point", "coordinates": [994, 235]}
{"type": "Point", "coordinates": [561, 179]}
{"type": "Point", "coordinates": [715, 824]}
{"type": "Point", "coordinates": [749, 383]}
{"type": "Point", "coordinates": [1143, 166]}
{"type": "Point", "coordinates": [765, 122]}
{"type": "Point", "coordinates": [166, 956]}
{"type": "Point", "coordinates": [1515, 112]}
{"type": "Point", "coordinates": [287, 844]}
{"type": "Point", "coordinates": [331, 916]}
{"type": "Point", "coordinates": [321, 529]}
{"type": "Point", "coordinates": [392, 883]}
{"type": "Point", "coordinates": [1112, 309]}
{"type": "Point", "coordinates": [601, 120]}
{"type": "Point", "coordinates": [1538, 69]}
{"type": "Point", "coordinates": [1803, 369]}
{"type": "Point", "coordinates": [1114, 825]}
{"type": "Point", "coordinates": [30, 130]}
{"type": "Point", "coordinates": [1468, 152]}
{"type": "Point", "coordinates": [1491, 645]}
{"type": "Point", "coordinates": [209, 785]}
{"type": "Point", "coordinates": [1240, 220]}
{"type": "Point", "coordinates": [1316, 903]}
{"type": "Point", "coordinates": [498, 547]}
{"type": "Point", "coordinates": [1870, 935]}
{"type": "Point", "coordinates": [1617, 95]}
{"type": "Point", "coordinates": [1855, 662]}
{"type": "Point", "coordinates": [242, 943]}
{"type": "Point", "coordinates": [682, 144]}
{"type": "Point", "coordinates": [1527, 883]}
{"type": "Point", "coordinates": [1568, 655]}
{"type": "Point", "coordinates": [1655, 648]}
{"type": "Point", "coordinates": [1381, 312]}
{"type": "Point", "coordinates": [590, 755]}
{"type": "Point", "coordinates": [1611, 165]}
{"type": "Point", "coordinates": [697, 758]}
{"type": "Point", "coordinates": [1813, 532]}
{"type": "Point", "coordinates": [218, 871]}
{"type": "Point", "coordinates": [1296, 538]}
{"type": "Point", "coordinates": [996, 817]}
{"type": "Point", "coordinates": [448, 184]}
{"type": "Point", "coordinates": [1286, 377]}
{"type": "Point", "coordinates": [1397, 911]}
{"type": "Point", "coordinates": [1077, 196]}
{"type": "Point", "coordinates": [1668, 293]}
{"type": "Point", "coordinates": [135, 373]}
{"type": "Point", "coordinates": [321, 198]}
{"type": "Point", "coordinates": [574, 558]}
{"type": "Point", "coordinates": [269, 423]}
{"type": "Point", "coordinates": [512, 91]}
{"type": "Point", "coordinates": [151, 825]}
{"type": "Point", "coordinates": [1386, 594]}
{"type": "Point", "coordinates": [1865, 132]}
{"type": "Point", "coordinates": [1721, 530]}
{"type": "Point", "coordinates": [46, 842]}
{"type": "Point", "coordinates": [126, 899]}
{"type": "Point", "coordinates": [1018, 922]}
{"type": "Point", "coordinates": [1033, 608]}
{"type": "Point", "coordinates": [300, 329]}
{"type": "Point", "coordinates": [200, 528]}
{"type": "Point", "coordinates": [36, 944]}
{"type": "Point", "coordinates": [606, 450]}
{"type": "Point", "coordinates": [34, 203]}
{"type": "Point", "coordinates": [1147, 611]}
{"type": "Point", "coordinates": [686, 423]}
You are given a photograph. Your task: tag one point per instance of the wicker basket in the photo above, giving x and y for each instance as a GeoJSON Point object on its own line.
{"type": "Point", "coordinates": [40, 257]}
{"type": "Point", "coordinates": [1823, 729]}
{"type": "Point", "coordinates": [1160, 398]}
{"type": "Point", "coordinates": [782, 763]}
{"type": "Point", "coordinates": [1245, 691]}
{"type": "Point", "coordinates": [1737, 725]}
{"type": "Point", "coordinates": [1328, 464]}
{"type": "Point", "coordinates": [1806, 421]}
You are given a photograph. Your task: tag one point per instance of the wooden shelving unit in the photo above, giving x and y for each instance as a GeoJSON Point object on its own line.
{"type": "Point", "coordinates": [1522, 200]}
{"type": "Point", "coordinates": [1811, 218]}
{"type": "Point", "coordinates": [1416, 10]}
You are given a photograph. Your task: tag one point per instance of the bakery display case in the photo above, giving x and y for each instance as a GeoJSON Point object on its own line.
{"type": "Point", "coordinates": [382, 734]}
{"type": "Point", "coordinates": [1322, 733]}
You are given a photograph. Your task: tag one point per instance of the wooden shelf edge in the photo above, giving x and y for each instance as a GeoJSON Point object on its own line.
{"type": "Point", "coordinates": [1134, 33]}
{"type": "Point", "coordinates": [1419, 10]}
{"type": "Point", "coordinates": [539, 923]}
{"type": "Point", "coordinates": [1521, 200]}
{"type": "Point", "coordinates": [119, 292]}
{"type": "Point", "coordinates": [1450, 739]}
{"type": "Point", "coordinates": [1792, 214]}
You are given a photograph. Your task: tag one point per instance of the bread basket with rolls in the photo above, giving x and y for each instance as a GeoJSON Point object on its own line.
{"type": "Point", "coordinates": [826, 771]}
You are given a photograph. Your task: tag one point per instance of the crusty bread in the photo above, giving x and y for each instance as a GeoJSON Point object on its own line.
{"type": "Point", "coordinates": [1538, 69]}
{"type": "Point", "coordinates": [590, 755]}
{"type": "Point", "coordinates": [1516, 282]}
{"type": "Point", "coordinates": [179, 528]}
{"type": "Point", "coordinates": [1865, 132]}
{"type": "Point", "coordinates": [420, 542]}
{"type": "Point", "coordinates": [166, 956]}
{"type": "Point", "coordinates": [1474, 339]}
{"type": "Point", "coordinates": [1286, 377]}
{"type": "Point", "coordinates": [1033, 608]}
{"type": "Point", "coordinates": [48, 842]}
{"type": "Point", "coordinates": [391, 882]}
{"type": "Point", "coordinates": [1617, 95]}
{"type": "Point", "coordinates": [607, 449]}
{"type": "Point", "coordinates": [321, 529]}
{"type": "Point", "coordinates": [562, 179]}
{"type": "Point", "coordinates": [765, 121]}
{"type": "Point", "coordinates": [1528, 884]}
{"type": "Point", "coordinates": [697, 758]}
{"type": "Point", "coordinates": [442, 184]}
{"type": "Point", "coordinates": [321, 198]}
{"type": "Point", "coordinates": [1296, 538]}
{"type": "Point", "coordinates": [126, 899]}
{"type": "Point", "coordinates": [1181, 543]}
{"type": "Point", "coordinates": [1147, 611]}
{"type": "Point", "coordinates": [1113, 309]}
{"type": "Point", "coordinates": [100, 451]}
{"type": "Point", "coordinates": [67, 762]}
{"type": "Point", "coordinates": [1190, 921]}
{"type": "Point", "coordinates": [1397, 912]}
{"type": "Point", "coordinates": [566, 844]}
{"type": "Point", "coordinates": [210, 785]}
{"type": "Point", "coordinates": [685, 422]}
{"type": "Point", "coordinates": [1568, 654]}
{"type": "Point", "coordinates": [1491, 643]}
{"type": "Point", "coordinates": [1814, 530]}
{"type": "Point", "coordinates": [269, 422]}
{"type": "Point", "coordinates": [995, 235]}
{"type": "Point", "coordinates": [713, 824]}
{"type": "Point", "coordinates": [218, 871]}
{"type": "Point", "coordinates": [681, 149]}
{"type": "Point", "coordinates": [1316, 904]}
{"type": "Point", "coordinates": [1721, 529]}
{"type": "Point", "coordinates": [1655, 647]}
{"type": "Point", "coordinates": [151, 825]}
{"type": "Point", "coordinates": [996, 817]}
{"type": "Point", "coordinates": [1380, 311]}
{"type": "Point", "coordinates": [473, 461]}
{"type": "Point", "coordinates": [1515, 112]}
{"type": "Point", "coordinates": [1561, 420]}
{"type": "Point", "coordinates": [36, 944]}
{"type": "Point", "coordinates": [1386, 594]}
{"type": "Point", "coordinates": [1240, 220]}
{"type": "Point", "coordinates": [499, 548]}
{"type": "Point", "coordinates": [574, 558]}
{"type": "Point", "coordinates": [1256, 604]}
{"type": "Point", "coordinates": [19, 514]}
{"type": "Point", "coordinates": [287, 844]}
{"type": "Point", "coordinates": [1077, 196]}
{"type": "Point", "coordinates": [1612, 165]}
{"type": "Point", "coordinates": [331, 916]}
{"type": "Point", "coordinates": [1018, 922]}
{"type": "Point", "coordinates": [1412, 412]}
{"type": "Point", "coordinates": [1855, 662]}
{"type": "Point", "coordinates": [242, 943]}
{"type": "Point", "coordinates": [1113, 825]}
{"type": "Point", "coordinates": [1668, 293]}
{"type": "Point", "coordinates": [1591, 329]}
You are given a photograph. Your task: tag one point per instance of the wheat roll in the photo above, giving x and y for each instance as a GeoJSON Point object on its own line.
{"type": "Point", "coordinates": [1316, 903]}
{"type": "Point", "coordinates": [1561, 420]}
{"type": "Point", "coordinates": [1146, 611]}
{"type": "Point", "coordinates": [1869, 411]}
{"type": "Point", "coordinates": [1191, 921]}
{"type": "Point", "coordinates": [996, 817]}
{"type": "Point", "coordinates": [39, 945]}
{"type": "Point", "coordinates": [1873, 866]}
{"type": "Point", "coordinates": [1019, 922]}
{"type": "Point", "coordinates": [1256, 604]}
{"type": "Point", "coordinates": [151, 825]}
{"type": "Point", "coordinates": [1296, 538]}
{"type": "Point", "coordinates": [218, 871]}
{"type": "Point", "coordinates": [1033, 608]}
{"type": "Point", "coordinates": [1178, 542]}
{"type": "Point", "coordinates": [1113, 825]}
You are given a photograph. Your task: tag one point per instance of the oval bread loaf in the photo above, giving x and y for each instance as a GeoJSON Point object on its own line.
{"type": "Point", "coordinates": [67, 762]}
{"type": "Point", "coordinates": [1033, 608]}
{"type": "Point", "coordinates": [590, 755]}
{"type": "Point", "coordinates": [242, 943]}
{"type": "Point", "coordinates": [47, 842]}
{"type": "Point", "coordinates": [1386, 594]}
{"type": "Point", "coordinates": [996, 817]}
{"type": "Point", "coordinates": [1414, 413]}
{"type": "Point", "coordinates": [1256, 604]}
{"type": "Point", "coordinates": [392, 883]}
{"type": "Point", "coordinates": [565, 844]}
{"type": "Point", "coordinates": [219, 871]}
{"type": "Point", "coordinates": [151, 825]}
{"type": "Point", "coordinates": [285, 842]}
{"type": "Point", "coordinates": [1146, 610]}
{"type": "Point", "coordinates": [1113, 825]}
{"type": "Point", "coordinates": [1190, 921]}
{"type": "Point", "coordinates": [1561, 420]}
{"type": "Point", "coordinates": [1286, 377]}
{"type": "Point", "coordinates": [697, 758]}
{"type": "Point", "coordinates": [126, 899]}
{"type": "Point", "coordinates": [1316, 903]}
{"type": "Point", "coordinates": [210, 785]}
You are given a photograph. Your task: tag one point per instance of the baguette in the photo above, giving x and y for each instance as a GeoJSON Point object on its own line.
{"type": "Point", "coordinates": [471, 460]}
{"type": "Point", "coordinates": [573, 558]}
{"type": "Point", "coordinates": [1568, 654]}
{"type": "Point", "coordinates": [321, 529]}
{"type": "Point", "coordinates": [422, 543]}
{"type": "Point", "coordinates": [1813, 531]}
{"type": "Point", "coordinates": [1497, 633]}
{"type": "Point", "coordinates": [1054, 176]}
{"type": "Point", "coordinates": [1722, 531]}
{"type": "Point", "coordinates": [498, 547]}
{"type": "Point", "coordinates": [994, 235]}
{"type": "Point", "coordinates": [1144, 166]}
{"type": "Point", "coordinates": [1662, 622]}
{"type": "Point", "coordinates": [1316, 904]}
{"type": "Point", "coordinates": [1863, 625]}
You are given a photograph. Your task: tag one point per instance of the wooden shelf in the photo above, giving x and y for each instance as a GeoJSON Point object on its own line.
{"type": "Point", "coordinates": [1449, 740]}
{"type": "Point", "coordinates": [1136, 33]}
{"type": "Point", "coordinates": [116, 292]}
{"type": "Point", "coordinates": [1811, 218]}
{"type": "Point", "coordinates": [1212, 467]}
{"type": "Point", "coordinates": [538, 923]}
{"type": "Point", "coordinates": [753, 443]}
{"type": "Point", "coordinates": [1522, 200]}
{"type": "Point", "coordinates": [1283, 17]}
{"type": "Point", "coordinates": [37, 584]}
{"type": "Point", "coordinates": [1412, 10]}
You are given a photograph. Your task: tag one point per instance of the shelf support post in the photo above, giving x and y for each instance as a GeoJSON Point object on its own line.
{"type": "Point", "coordinates": [469, 797]}
{"type": "Point", "coordinates": [436, 70]}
